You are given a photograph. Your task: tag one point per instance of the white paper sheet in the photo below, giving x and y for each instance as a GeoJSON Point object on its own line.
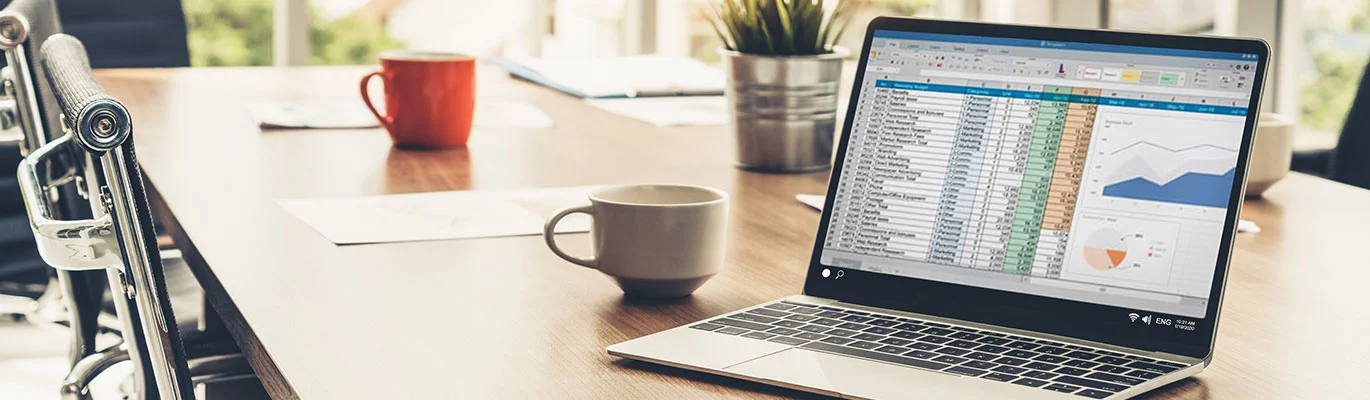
{"type": "Point", "coordinates": [669, 111]}
{"type": "Point", "coordinates": [351, 115]}
{"type": "Point", "coordinates": [439, 215]}
{"type": "Point", "coordinates": [816, 201]}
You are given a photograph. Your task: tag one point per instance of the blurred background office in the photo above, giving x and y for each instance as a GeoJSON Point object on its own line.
{"type": "Point", "coordinates": [1322, 45]}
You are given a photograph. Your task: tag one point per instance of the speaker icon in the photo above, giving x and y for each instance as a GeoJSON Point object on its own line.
{"type": "Point", "coordinates": [1147, 319]}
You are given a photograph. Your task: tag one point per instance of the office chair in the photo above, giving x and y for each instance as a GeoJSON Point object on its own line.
{"type": "Point", "coordinates": [1349, 162]}
{"type": "Point", "coordinates": [118, 238]}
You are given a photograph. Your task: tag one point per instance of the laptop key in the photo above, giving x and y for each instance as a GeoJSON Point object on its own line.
{"type": "Point", "coordinates": [814, 328]}
{"type": "Point", "coordinates": [879, 331]}
{"type": "Point", "coordinates": [893, 350]}
{"type": "Point", "coordinates": [856, 318]}
{"type": "Point", "coordinates": [965, 344]}
{"type": "Point", "coordinates": [810, 336]}
{"type": "Point", "coordinates": [805, 310]}
{"type": "Point", "coordinates": [906, 335]}
{"type": "Point", "coordinates": [952, 351]}
{"type": "Point", "coordinates": [769, 312]}
{"type": "Point", "coordinates": [978, 364]}
{"type": "Point", "coordinates": [801, 317]}
{"type": "Point", "coordinates": [934, 339]}
{"type": "Point", "coordinates": [731, 331]}
{"type": "Point", "coordinates": [1050, 358]}
{"type": "Point", "coordinates": [966, 336]}
{"type": "Point", "coordinates": [1040, 374]}
{"type": "Point", "coordinates": [1080, 364]}
{"type": "Point", "coordinates": [981, 356]}
{"type": "Point", "coordinates": [1090, 383]}
{"type": "Point", "coordinates": [1053, 350]}
{"type": "Point", "coordinates": [789, 324]}
{"type": "Point", "coordinates": [1114, 369]}
{"type": "Point", "coordinates": [1011, 361]}
{"type": "Point", "coordinates": [1112, 360]}
{"type": "Point", "coordinates": [854, 312]}
{"type": "Point", "coordinates": [1010, 370]}
{"type": "Point", "coordinates": [995, 376]}
{"type": "Point", "coordinates": [830, 314]}
{"type": "Point", "coordinates": [923, 346]}
{"type": "Point", "coordinates": [936, 324]}
{"type": "Point", "coordinates": [1041, 366]}
{"type": "Point", "coordinates": [1022, 345]}
{"type": "Point", "coordinates": [909, 327]}
{"type": "Point", "coordinates": [1151, 367]}
{"type": "Point", "coordinates": [865, 345]}
{"type": "Point", "coordinates": [1093, 394]}
{"type": "Point", "coordinates": [779, 306]}
{"type": "Point", "coordinates": [884, 322]}
{"type": "Point", "coordinates": [759, 335]}
{"type": "Point", "coordinates": [854, 326]}
{"type": "Point", "coordinates": [1071, 371]}
{"type": "Point", "coordinates": [741, 324]}
{"type": "Point", "coordinates": [754, 318]}
{"type": "Point", "coordinates": [921, 354]}
{"type": "Point", "coordinates": [1021, 354]}
{"type": "Point", "coordinates": [965, 371]}
{"type": "Point", "coordinates": [1057, 387]}
{"type": "Point", "coordinates": [837, 340]}
{"type": "Point", "coordinates": [896, 341]}
{"type": "Point", "coordinates": [1119, 379]}
{"type": "Point", "coordinates": [989, 348]}
{"type": "Point", "coordinates": [783, 331]}
{"type": "Point", "coordinates": [949, 359]}
{"type": "Point", "coordinates": [788, 340]}
{"type": "Point", "coordinates": [1142, 374]}
{"type": "Point", "coordinates": [706, 326]}
{"type": "Point", "coordinates": [868, 337]}
{"type": "Point", "coordinates": [839, 332]}
{"type": "Point", "coordinates": [874, 355]}
{"type": "Point", "coordinates": [997, 341]}
{"type": "Point", "coordinates": [1082, 355]}
{"type": "Point", "coordinates": [1030, 382]}
{"type": "Point", "coordinates": [826, 322]}
{"type": "Point", "coordinates": [938, 331]}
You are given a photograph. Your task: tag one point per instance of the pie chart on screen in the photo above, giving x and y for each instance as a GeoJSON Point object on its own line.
{"type": "Point", "coordinates": [1105, 250]}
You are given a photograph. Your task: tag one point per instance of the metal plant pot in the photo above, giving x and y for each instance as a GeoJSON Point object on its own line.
{"type": "Point", "coordinates": [784, 109]}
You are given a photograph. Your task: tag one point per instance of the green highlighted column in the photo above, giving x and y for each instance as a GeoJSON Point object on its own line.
{"type": "Point", "coordinates": [1036, 188]}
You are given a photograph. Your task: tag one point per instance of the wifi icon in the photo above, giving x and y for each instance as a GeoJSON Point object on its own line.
{"type": "Point", "coordinates": [1133, 317]}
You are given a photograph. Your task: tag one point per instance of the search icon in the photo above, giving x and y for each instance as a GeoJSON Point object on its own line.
{"type": "Point", "coordinates": [839, 274]}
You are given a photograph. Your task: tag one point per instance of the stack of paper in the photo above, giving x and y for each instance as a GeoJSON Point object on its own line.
{"type": "Point", "coordinates": [631, 76]}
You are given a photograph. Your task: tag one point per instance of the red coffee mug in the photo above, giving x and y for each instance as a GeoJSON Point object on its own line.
{"type": "Point", "coordinates": [429, 98]}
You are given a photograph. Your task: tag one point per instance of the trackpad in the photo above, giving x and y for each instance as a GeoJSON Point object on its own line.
{"type": "Point", "coordinates": [871, 379]}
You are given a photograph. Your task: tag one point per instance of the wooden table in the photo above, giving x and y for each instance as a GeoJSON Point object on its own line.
{"type": "Point", "coordinates": [505, 318]}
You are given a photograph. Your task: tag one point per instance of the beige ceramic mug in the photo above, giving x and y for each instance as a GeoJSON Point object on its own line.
{"type": "Point", "coordinates": [1271, 154]}
{"type": "Point", "coordinates": [656, 241]}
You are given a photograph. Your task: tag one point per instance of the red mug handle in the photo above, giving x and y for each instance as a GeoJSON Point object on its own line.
{"type": "Point", "coordinates": [366, 97]}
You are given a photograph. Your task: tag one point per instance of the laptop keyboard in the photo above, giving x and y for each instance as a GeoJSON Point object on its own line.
{"type": "Point", "coordinates": [1017, 360]}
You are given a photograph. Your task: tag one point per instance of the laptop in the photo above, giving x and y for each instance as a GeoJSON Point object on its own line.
{"type": "Point", "coordinates": [1015, 212]}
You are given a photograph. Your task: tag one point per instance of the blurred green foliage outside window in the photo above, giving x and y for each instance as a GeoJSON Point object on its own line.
{"type": "Point", "coordinates": [238, 33]}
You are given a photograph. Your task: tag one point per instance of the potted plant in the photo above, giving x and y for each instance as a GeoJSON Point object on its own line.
{"type": "Point", "coordinates": [783, 69]}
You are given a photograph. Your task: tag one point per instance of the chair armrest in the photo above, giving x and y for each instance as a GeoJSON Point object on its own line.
{"type": "Point", "coordinates": [1315, 162]}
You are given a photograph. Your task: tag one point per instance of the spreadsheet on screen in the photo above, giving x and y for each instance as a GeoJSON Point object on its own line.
{"type": "Point", "coordinates": [1089, 172]}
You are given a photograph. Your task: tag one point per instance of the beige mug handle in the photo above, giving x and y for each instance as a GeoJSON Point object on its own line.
{"type": "Point", "coordinates": [549, 229]}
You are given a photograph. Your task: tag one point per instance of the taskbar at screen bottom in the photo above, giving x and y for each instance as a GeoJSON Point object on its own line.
{"type": "Point", "coordinates": [1128, 298]}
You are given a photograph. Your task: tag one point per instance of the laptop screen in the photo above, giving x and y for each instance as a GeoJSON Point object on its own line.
{"type": "Point", "coordinates": [1088, 172]}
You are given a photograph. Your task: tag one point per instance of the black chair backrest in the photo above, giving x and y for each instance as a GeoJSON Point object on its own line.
{"type": "Point", "coordinates": [127, 33]}
{"type": "Point", "coordinates": [1351, 158]}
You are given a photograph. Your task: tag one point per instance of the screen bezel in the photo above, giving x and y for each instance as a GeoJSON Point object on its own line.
{"type": "Point", "coordinates": [1088, 321]}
